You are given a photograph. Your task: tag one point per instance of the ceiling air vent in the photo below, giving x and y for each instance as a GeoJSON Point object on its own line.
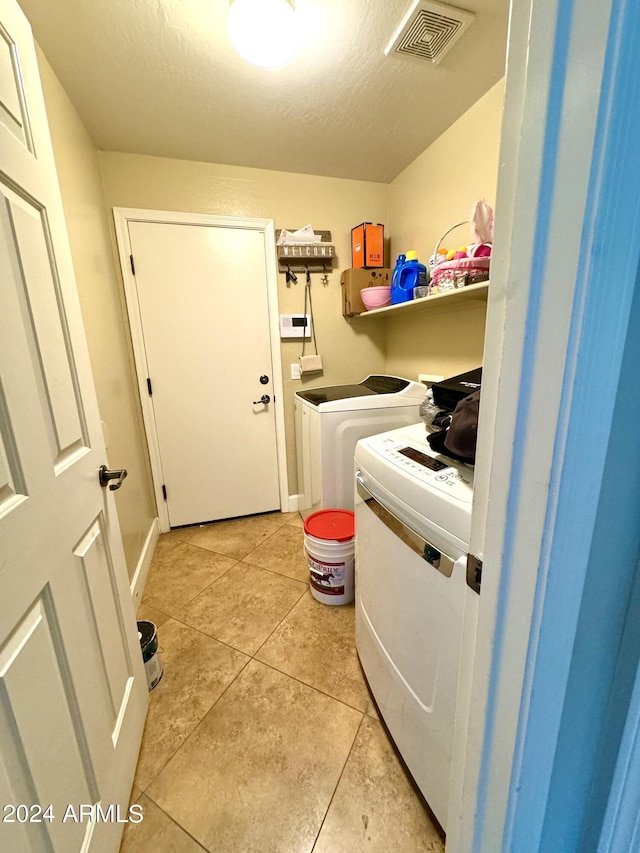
{"type": "Point", "coordinates": [429, 30]}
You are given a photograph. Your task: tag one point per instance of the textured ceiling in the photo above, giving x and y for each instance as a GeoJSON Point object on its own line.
{"type": "Point", "coordinates": [159, 77]}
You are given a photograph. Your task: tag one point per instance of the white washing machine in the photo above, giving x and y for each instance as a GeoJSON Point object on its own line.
{"type": "Point", "coordinates": [413, 518]}
{"type": "Point", "coordinates": [329, 421]}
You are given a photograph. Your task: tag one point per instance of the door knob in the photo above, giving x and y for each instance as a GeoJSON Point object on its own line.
{"type": "Point", "coordinates": [117, 475]}
{"type": "Point", "coordinates": [264, 400]}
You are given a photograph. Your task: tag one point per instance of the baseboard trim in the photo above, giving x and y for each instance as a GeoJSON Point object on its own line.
{"type": "Point", "coordinates": [294, 502]}
{"type": "Point", "coordinates": [142, 569]}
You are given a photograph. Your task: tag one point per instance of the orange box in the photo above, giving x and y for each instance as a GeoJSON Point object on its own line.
{"type": "Point", "coordinates": [367, 246]}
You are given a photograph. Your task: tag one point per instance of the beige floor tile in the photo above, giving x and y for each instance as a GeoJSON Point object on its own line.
{"type": "Point", "coordinates": [236, 538]}
{"type": "Point", "coordinates": [156, 833]}
{"type": "Point", "coordinates": [243, 607]}
{"type": "Point", "coordinates": [371, 710]}
{"type": "Point", "coordinates": [258, 773]}
{"type": "Point", "coordinates": [179, 574]}
{"type": "Point", "coordinates": [178, 534]}
{"type": "Point", "coordinates": [167, 541]}
{"type": "Point", "coordinates": [293, 518]}
{"type": "Point", "coordinates": [316, 644]}
{"type": "Point", "coordinates": [149, 613]}
{"type": "Point", "coordinates": [197, 670]}
{"type": "Point", "coordinates": [283, 552]}
{"type": "Point", "coordinates": [375, 808]}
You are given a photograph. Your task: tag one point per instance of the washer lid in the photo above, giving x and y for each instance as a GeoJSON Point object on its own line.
{"type": "Point", "coordinates": [372, 386]}
{"type": "Point", "coordinates": [315, 396]}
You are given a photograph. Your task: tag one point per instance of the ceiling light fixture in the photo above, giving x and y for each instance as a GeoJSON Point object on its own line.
{"type": "Point", "coordinates": [264, 32]}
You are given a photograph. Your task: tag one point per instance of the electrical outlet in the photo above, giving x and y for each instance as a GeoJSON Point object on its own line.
{"type": "Point", "coordinates": [295, 370]}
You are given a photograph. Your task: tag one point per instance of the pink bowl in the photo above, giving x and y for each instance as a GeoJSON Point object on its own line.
{"type": "Point", "coordinates": [375, 297]}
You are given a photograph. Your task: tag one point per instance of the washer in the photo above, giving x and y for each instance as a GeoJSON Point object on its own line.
{"type": "Point", "coordinates": [329, 421]}
{"type": "Point", "coordinates": [413, 519]}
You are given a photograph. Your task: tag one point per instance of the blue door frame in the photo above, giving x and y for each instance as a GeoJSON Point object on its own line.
{"type": "Point", "coordinates": [572, 787]}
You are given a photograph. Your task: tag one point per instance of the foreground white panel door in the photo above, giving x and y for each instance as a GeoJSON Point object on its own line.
{"type": "Point", "coordinates": [73, 692]}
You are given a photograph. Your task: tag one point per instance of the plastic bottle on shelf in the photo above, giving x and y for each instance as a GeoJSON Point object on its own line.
{"type": "Point", "coordinates": [400, 262]}
{"type": "Point", "coordinates": [411, 274]}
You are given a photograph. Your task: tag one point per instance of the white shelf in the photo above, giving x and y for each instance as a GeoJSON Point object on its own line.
{"type": "Point", "coordinates": [437, 303]}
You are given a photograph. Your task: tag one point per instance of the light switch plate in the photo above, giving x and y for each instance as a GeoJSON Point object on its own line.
{"type": "Point", "coordinates": [295, 370]}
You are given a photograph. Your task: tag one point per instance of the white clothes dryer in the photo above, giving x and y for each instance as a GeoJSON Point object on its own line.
{"type": "Point", "coordinates": [413, 519]}
{"type": "Point", "coordinates": [328, 423]}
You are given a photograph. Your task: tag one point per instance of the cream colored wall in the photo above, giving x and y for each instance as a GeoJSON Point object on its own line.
{"type": "Point", "coordinates": [437, 190]}
{"type": "Point", "coordinates": [86, 217]}
{"type": "Point", "coordinates": [349, 353]}
{"type": "Point", "coordinates": [445, 344]}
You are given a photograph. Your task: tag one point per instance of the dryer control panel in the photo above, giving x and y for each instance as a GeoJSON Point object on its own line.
{"type": "Point", "coordinates": [421, 458]}
{"type": "Point", "coordinates": [419, 462]}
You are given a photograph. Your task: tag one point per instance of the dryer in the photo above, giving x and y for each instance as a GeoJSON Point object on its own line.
{"type": "Point", "coordinates": [413, 519]}
{"type": "Point", "coordinates": [328, 423]}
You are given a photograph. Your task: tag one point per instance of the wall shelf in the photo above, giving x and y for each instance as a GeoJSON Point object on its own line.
{"type": "Point", "coordinates": [436, 304]}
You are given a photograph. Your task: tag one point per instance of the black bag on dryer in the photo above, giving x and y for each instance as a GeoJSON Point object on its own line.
{"type": "Point", "coordinates": [458, 440]}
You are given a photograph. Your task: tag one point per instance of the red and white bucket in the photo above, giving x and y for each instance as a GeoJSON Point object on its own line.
{"type": "Point", "coordinates": [329, 545]}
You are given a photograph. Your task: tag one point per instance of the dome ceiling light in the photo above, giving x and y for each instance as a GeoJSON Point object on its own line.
{"type": "Point", "coordinates": [264, 32]}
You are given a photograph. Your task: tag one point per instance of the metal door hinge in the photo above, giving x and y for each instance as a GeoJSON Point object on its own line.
{"type": "Point", "coordinates": [164, 491]}
{"type": "Point", "coordinates": [133, 266]}
{"type": "Point", "coordinates": [474, 572]}
{"type": "Point", "coordinates": [149, 388]}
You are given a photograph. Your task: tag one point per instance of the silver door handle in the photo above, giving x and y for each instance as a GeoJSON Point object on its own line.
{"type": "Point", "coordinates": [117, 475]}
{"type": "Point", "coordinates": [265, 399]}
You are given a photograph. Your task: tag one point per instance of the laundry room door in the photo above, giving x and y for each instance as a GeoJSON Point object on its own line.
{"type": "Point", "coordinates": [73, 692]}
{"type": "Point", "coordinates": [204, 313]}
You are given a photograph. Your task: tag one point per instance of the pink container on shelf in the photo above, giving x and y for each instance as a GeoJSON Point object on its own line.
{"type": "Point", "coordinates": [375, 297]}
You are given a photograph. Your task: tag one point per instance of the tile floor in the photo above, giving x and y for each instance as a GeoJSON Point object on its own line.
{"type": "Point", "coordinates": [261, 735]}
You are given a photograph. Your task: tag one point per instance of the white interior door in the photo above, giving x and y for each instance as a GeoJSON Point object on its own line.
{"type": "Point", "coordinates": [202, 296]}
{"type": "Point", "coordinates": [73, 692]}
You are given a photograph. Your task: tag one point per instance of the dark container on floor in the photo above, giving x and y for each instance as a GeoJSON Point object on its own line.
{"type": "Point", "coordinates": [153, 664]}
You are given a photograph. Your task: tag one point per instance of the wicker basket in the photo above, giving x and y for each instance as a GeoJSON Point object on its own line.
{"type": "Point", "coordinates": [449, 275]}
